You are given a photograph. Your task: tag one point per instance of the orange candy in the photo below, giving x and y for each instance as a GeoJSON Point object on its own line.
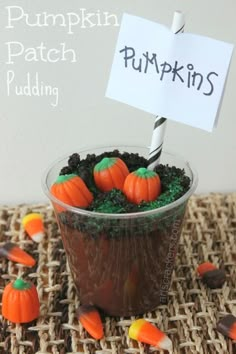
{"type": "Point", "coordinates": [232, 331]}
{"type": "Point", "coordinates": [90, 319]}
{"type": "Point", "coordinates": [71, 189]}
{"type": "Point", "coordinates": [227, 326]}
{"type": "Point", "coordinates": [205, 267]}
{"type": "Point", "coordinates": [110, 173]}
{"type": "Point", "coordinates": [211, 276]}
{"type": "Point", "coordinates": [33, 225]}
{"type": "Point", "coordinates": [142, 185]}
{"type": "Point", "coordinates": [16, 254]}
{"type": "Point", "coordinates": [143, 331]}
{"type": "Point", "coordinates": [20, 302]}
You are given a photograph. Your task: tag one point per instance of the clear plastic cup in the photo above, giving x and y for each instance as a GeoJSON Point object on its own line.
{"type": "Point", "coordinates": [121, 263]}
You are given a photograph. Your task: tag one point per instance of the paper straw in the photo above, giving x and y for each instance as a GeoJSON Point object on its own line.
{"type": "Point", "coordinates": [160, 122]}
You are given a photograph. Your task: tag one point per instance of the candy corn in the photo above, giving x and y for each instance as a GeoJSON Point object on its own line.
{"type": "Point", "coordinates": [33, 225]}
{"type": "Point", "coordinates": [16, 254]}
{"type": "Point", "coordinates": [227, 326]}
{"type": "Point", "coordinates": [90, 319]}
{"type": "Point", "coordinates": [143, 331]}
{"type": "Point", "coordinates": [205, 267]}
{"type": "Point", "coordinates": [211, 275]}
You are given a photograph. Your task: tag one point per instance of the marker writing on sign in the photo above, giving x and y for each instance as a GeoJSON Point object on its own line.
{"type": "Point", "coordinates": [174, 71]}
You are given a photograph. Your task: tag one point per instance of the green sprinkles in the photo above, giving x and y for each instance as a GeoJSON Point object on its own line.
{"type": "Point", "coordinates": [169, 196]}
{"type": "Point", "coordinates": [113, 201]}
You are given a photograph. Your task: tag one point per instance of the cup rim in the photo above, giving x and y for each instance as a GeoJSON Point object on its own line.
{"type": "Point", "coordinates": [89, 213]}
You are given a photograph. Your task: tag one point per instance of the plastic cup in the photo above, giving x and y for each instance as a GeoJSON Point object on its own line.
{"type": "Point", "coordinates": [121, 263]}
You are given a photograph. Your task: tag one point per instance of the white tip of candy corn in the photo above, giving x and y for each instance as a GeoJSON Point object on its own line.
{"type": "Point", "coordinates": [38, 237]}
{"type": "Point", "coordinates": [165, 344]}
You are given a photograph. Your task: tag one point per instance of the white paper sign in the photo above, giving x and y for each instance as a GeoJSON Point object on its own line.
{"type": "Point", "coordinates": [180, 77]}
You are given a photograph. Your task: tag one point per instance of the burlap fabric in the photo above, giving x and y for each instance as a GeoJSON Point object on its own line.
{"type": "Point", "coordinates": [189, 319]}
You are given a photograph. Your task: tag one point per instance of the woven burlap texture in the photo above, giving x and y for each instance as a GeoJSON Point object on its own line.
{"type": "Point", "coordinates": [189, 318]}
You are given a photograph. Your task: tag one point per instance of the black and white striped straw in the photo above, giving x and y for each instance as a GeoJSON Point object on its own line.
{"type": "Point", "coordinates": [160, 122]}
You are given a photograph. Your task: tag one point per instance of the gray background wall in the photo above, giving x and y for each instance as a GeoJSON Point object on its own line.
{"type": "Point", "coordinates": [33, 133]}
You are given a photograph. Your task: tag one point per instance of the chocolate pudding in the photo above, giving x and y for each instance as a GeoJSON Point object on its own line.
{"type": "Point", "coordinates": [121, 253]}
{"type": "Point", "coordinates": [125, 268]}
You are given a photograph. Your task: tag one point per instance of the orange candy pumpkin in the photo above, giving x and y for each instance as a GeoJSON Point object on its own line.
{"type": "Point", "coordinates": [71, 190]}
{"type": "Point", "coordinates": [20, 302]}
{"type": "Point", "coordinates": [142, 185]}
{"type": "Point", "coordinates": [110, 173]}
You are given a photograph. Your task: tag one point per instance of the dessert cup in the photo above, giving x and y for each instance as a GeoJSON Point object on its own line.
{"type": "Point", "coordinates": [121, 263]}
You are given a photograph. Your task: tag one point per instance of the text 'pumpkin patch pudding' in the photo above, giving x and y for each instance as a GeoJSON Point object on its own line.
{"type": "Point", "coordinates": [120, 224]}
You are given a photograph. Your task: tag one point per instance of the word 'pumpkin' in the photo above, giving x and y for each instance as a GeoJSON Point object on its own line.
{"type": "Point", "coordinates": [71, 190]}
{"type": "Point", "coordinates": [20, 302]}
{"type": "Point", "coordinates": [110, 173]}
{"type": "Point", "coordinates": [142, 185]}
